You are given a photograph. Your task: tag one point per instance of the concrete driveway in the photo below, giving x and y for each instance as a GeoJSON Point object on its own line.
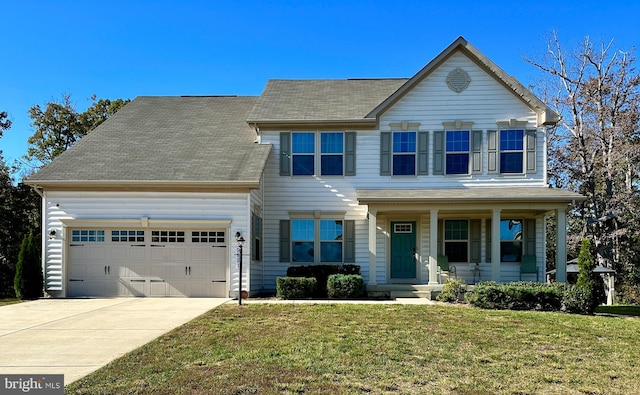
{"type": "Point", "coordinates": [74, 337]}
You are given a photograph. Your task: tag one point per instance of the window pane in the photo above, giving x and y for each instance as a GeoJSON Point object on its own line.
{"type": "Point", "coordinates": [511, 162]}
{"type": "Point", "coordinates": [330, 251]}
{"type": "Point", "coordinates": [404, 165]}
{"type": "Point", "coordinates": [458, 141]}
{"type": "Point", "coordinates": [302, 229]}
{"type": "Point", "coordinates": [457, 163]}
{"type": "Point", "coordinates": [456, 251]}
{"type": "Point", "coordinates": [456, 230]}
{"type": "Point", "coordinates": [331, 143]}
{"type": "Point", "coordinates": [303, 165]}
{"type": "Point", "coordinates": [302, 143]}
{"type": "Point", "coordinates": [511, 229]}
{"type": "Point", "coordinates": [331, 165]}
{"type": "Point", "coordinates": [511, 140]}
{"type": "Point", "coordinates": [330, 230]}
{"type": "Point", "coordinates": [510, 251]}
{"type": "Point", "coordinates": [302, 251]}
{"type": "Point", "coordinates": [404, 141]}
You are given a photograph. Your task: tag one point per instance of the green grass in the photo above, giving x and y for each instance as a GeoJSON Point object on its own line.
{"type": "Point", "coordinates": [630, 310]}
{"type": "Point", "coordinates": [4, 302]}
{"type": "Point", "coordinates": [380, 349]}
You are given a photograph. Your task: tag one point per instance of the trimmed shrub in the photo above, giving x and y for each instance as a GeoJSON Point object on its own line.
{"type": "Point", "coordinates": [321, 274]}
{"type": "Point", "coordinates": [345, 286]}
{"type": "Point", "coordinates": [28, 280]}
{"type": "Point", "coordinates": [295, 287]}
{"type": "Point", "coordinates": [578, 300]}
{"type": "Point", "coordinates": [522, 295]}
{"type": "Point", "coordinates": [453, 291]}
{"type": "Point", "coordinates": [591, 293]}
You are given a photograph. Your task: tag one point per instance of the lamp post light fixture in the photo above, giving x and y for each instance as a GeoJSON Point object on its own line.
{"type": "Point", "coordinates": [240, 241]}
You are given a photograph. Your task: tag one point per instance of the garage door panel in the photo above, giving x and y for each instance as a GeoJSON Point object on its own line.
{"type": "Point", "coordinates": [148, 263]}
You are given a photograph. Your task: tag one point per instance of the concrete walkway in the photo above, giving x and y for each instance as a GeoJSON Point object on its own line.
{"type": "Point", "coordinates": [74, 337]}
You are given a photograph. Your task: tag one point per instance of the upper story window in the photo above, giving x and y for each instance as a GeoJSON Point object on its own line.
{"type": "Point", "coordinates": [457, 152]}
{"type": "Point", "coordinates": [404, 153]}
{"type": "Point", "coordinates": [303, 153]}
{"type": "Point", "coordinates": [511, 151]}
{"type": "Point", "coordinates": [317, 153]}
{"type": "Point", "coordinates": [331, 154]}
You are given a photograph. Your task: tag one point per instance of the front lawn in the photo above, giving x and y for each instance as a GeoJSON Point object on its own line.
{"type": "Point", "coordinates": [395, 349]}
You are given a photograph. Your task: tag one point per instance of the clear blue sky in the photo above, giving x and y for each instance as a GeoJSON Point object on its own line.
{"type": "Point", "coordinates": [123, 49]}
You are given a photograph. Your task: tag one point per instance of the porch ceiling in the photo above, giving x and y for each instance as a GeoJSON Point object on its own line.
{"type": "Point", "coordinates": [530, 197]}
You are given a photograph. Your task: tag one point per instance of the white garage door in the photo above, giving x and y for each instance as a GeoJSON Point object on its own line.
{"type": "Point", "coordinates": [147, 262]}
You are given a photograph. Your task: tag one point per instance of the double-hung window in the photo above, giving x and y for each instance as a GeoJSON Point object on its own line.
{"type": "Point", "coordinates": [303, 154]}
{"type": "Point", "coordinates": [316, 240]}
{"type": "Point", "coordinates": [456, 240]}
{"type": "Point", "coordinates": [457, 152]}
{"type": "Point", "coordinates": [331, 154]}
{"type": "Point", "coordinates": [404, 153]}
{"type": "Point", "coordinates": [511, 151]}
{"type": "Point", "coordinates": [511, 240]}
{"type": "Point", "coordinates": [317, 153]}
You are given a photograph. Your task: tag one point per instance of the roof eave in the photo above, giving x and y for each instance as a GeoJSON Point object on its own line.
{"type": "Point", "coordinates": [143, 185]}
{"type": "Point", "coordinates": [358, 123]}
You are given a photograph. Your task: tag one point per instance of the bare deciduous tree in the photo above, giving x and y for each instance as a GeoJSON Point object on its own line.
{"type": "Point", "coordinates": [595, 148]}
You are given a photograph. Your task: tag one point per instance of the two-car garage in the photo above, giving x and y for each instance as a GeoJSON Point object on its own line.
{"type": "Point", "coordinates": [111, 262]}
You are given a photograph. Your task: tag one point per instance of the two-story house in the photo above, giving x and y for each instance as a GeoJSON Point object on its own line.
{"type": "Point", "coordinates": [394, 175]}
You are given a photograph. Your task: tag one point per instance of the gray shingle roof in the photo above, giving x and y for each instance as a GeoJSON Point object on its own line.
{"type": "Point", "coordinates": [172, 139]}
{"type": "Point", "coordinates": [469, 195]}
{"type": "Point", "coordinates": [322, 100]}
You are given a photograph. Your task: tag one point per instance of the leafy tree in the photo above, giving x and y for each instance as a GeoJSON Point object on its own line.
{"type": "Point", "coordinates": [59, 126]}
{"type": "Point", "coordinates": [595, 149]}
{"type": "Point", "coordinates": [28, 279]}
{"type": "Point", "coordinates": [19, 213]}
{"type": "Point", "coordinates": [5, 122]}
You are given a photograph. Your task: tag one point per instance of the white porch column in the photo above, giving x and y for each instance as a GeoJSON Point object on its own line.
{"type": "Point", "coordinates": [561, 246]}
{"type": "Point", "coordinates": [433, 247]}
{"type": "Point", "coordinates": [495, 245]}
{"type": "Point", "coordinates": [372, 247]}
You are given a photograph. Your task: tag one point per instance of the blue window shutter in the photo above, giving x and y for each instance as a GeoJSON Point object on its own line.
{"type": "Point", "coordinates": [531, 151]}
{"type": "Point", "coordinates": [492, 143]}
{"type": "Point", "coordinates": [285, 154]}
{"type": "Point", "coordinates": [350, 153]}
{"type": "Point", "coordinates": [438, 152]}
{"type": "Point", "coordinates": [285, 240]}
{"type": "Point", "coordinates": [476, 152]}
{"type": "Point", "coordinates": [349, 241]}
{"type": "Point", "coordinates": [423, 153]}
{"type": "Point", "coordinates": [385, 153]}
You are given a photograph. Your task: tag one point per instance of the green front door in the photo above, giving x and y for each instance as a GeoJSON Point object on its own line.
{"type": "Point", "coordinates": [403, 249]}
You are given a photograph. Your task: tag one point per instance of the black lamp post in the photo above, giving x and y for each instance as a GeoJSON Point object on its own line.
{"type": "Point", "coordinates": [240, 241]}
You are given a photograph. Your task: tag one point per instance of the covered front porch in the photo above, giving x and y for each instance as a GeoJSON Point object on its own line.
{"type": "Point", "coordinates": [482, 233]}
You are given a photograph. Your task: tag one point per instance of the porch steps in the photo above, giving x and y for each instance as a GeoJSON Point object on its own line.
{"type": "Point", "coordinates": [394, 291]}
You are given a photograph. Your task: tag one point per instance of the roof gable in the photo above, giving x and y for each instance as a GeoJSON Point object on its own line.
{"type": "Point", "coordinates": [545, 114]}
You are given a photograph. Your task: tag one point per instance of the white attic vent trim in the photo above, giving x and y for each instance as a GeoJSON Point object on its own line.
{"type": "Point", "coordinates": [458, 80]}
